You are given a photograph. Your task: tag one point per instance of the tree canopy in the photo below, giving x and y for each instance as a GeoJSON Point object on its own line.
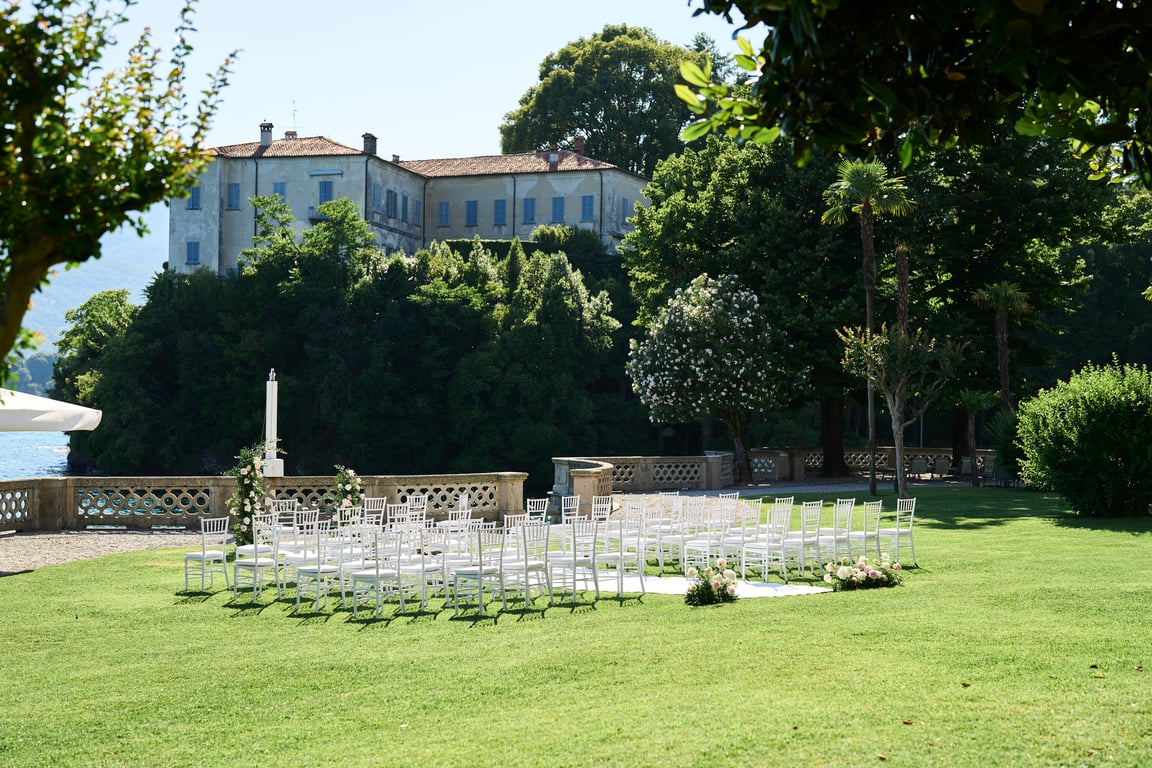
{"type": "Point", "coordinates": [834, 76]}
{"type": "Point", "coordinates": [84, 148]}
{"type": "Point", "coordinates": [614, 89]}
{"type": "Point", "coordinates": [711, 352]}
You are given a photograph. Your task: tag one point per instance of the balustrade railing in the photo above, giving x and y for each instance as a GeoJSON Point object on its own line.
{"type": "Point", "coordinates": [76, 503]}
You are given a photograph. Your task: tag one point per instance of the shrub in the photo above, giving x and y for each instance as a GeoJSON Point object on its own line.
{"type": "Point", "coordinates": [1090, 440]}
{"type": "Point", "coordinates": [1001, 435]}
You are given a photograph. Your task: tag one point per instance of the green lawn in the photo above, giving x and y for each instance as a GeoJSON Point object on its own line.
{"type": "Point", "coordinates": [1021, 640]}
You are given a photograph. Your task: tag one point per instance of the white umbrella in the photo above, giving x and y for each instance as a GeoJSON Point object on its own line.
{"type": "Point", "coordinates": [21, 412]}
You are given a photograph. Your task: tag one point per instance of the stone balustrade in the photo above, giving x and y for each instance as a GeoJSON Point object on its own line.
{"type": "Point", "coordinates": [76, 503]}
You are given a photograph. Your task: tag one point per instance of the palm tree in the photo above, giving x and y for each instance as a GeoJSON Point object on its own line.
{"type": "Point", "coordinates": [864, 187]}
{"type": "Point", "coordinates": [1008, 301]}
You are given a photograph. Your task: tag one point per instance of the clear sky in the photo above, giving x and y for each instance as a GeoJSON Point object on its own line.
{"type": "Point", "coordinates": [430, 79]}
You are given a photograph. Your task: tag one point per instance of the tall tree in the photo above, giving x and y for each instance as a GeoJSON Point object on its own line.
{"type": "Point", "coordinates": [752, 213]}
{"type": "Point", "coordinates": [710, 352]}
{"type": "Point", "coordinates": [85, 148]}
{"type": "Point", "coordinates": [614, 89]}
{"type": "Point", "coordinates": [1006, 300]}
{"type": "Point", "coordinates": [93, 325]}
{"type": "Point", "coordinates": [866, 189]}
{"type": "Point", "coordinates": [864, 77]}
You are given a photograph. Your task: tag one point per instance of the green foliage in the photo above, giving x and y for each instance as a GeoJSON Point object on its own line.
{"type": "Point", "coordinates": [85, 148]}
{"type": "Point", "coordinates": [445, 361]}
{"type": "Point", "coordinates": [613, 88]}
{"type": "Point", "coordinates": [751, 213]}
{"type": "Point", "coordinates": [94, 324]}
{"type": "Point", "coordinates": [1090, 439]}
{"type": "Point", "coordinates": [711, 352]}
{"type": "Point", "coordinates": [850, 77]}
{"type": "Point", "coordinates": [1001, 434]}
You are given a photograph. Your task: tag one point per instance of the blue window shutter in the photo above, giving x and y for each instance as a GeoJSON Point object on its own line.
{"type": "Point", "coordinates": [529, 210]}
{"type": "Point", "coordinates": [192, 252]}
{"type": "Point", "coordinates": [558, 210]}
{"type": "Point", "coordinates": [376, 198]}
{"type": "Point", "coordinates": [444, 214]}
{"type": "Point", "coordinates": [404, 207]}
{"type": "Point", "coordinates": [471, 213]}
{"type": "Point", "coordinates": [587, 208]}
{"type": "Point", "coordinates": [624, 210]}
{"type": "Point", "coordinates": [499, 212]}
{"type": "Point", "coordinates": [417, 212]}
{"type": "Point", "coordinates": [325, 192]}
{"type": "Point", "coordinates": [233, 201]}
{"type": "Point", "coordinates": [280, 188]}
{"type": "Point", "coordinates": [194, 198]}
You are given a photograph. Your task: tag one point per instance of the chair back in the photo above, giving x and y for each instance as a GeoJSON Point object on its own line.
{"type": "Point", "coordinates": [601, 507]}
{"type": "Point", "coordinates": [569, 508]}
{"type": "Point", "coordinates": [872, 516]}
{"type": "Point", "coordinates": [537, 509]}
{"type": "Point", "coordinates": [214, 533]}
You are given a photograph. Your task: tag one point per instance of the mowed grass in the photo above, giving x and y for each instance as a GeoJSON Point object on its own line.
{"type": "Point", "coordinates": [1021, 640]}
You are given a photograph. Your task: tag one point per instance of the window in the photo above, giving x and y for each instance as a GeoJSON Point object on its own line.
{"type": "Point", "coordinates": [471, 213]}
{"type": "Point", "coordinates": [529, 210]}
{"type": "Point", "coordinates": [404, 207]}
{"type": "Point", "coordinates": [558, 210]}
{"type": "Point", "coordinates": [325, 192]}
{"type": "Point", "coordinates": [587, 207]}
{"type": "Point", "coordinates": [417, 213]}
{"type": "Point", "coordinates": [192, 253]}
{"type": "Point", "coordinates": [194, 198]}
{"type": "Point", "coordinates": [280, 189]}
{"type": "Point", "coordinates": [376, 195]}
{"type": "Point", "coordinates": [390, 204]}
{"type": "Point", "coordinates": [442, 214]}
{"type": "Point", "coordinates": [625, 210]}
{"type": "Point", "coordinates": [499, 212]}
{"type": "Point", "coordinates": [233, 201]}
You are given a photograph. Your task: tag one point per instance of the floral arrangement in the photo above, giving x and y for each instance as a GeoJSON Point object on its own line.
{"type": "Point", "coordinates": [249, 498]}
{"type": "Point", "coordinates": [862, 574]}
{"type": "Point", "coordinates": [348, 490]}
{"type": "Point", "coordinates": [712, 585]}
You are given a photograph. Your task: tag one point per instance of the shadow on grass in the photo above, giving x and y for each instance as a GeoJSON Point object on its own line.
{"type": "Point", "coordinates": [197, 596]}
{"type": "Point", "coordinates": [1133, 526]}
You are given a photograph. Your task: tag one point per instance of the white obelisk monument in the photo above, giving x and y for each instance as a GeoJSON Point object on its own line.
{"type": "Point", "coordinates": [273, 466]}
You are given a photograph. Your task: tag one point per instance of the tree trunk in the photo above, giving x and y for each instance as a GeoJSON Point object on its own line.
{"type": "Point", "coordinates": [1002, 359]}
{"type": "Point", "coordinates": [866, 221]}
{"type": "Point", "coordinates": [832, 437]}
{"type": "Point", "coordinates": [959, 434]}
{"type": "Point", "coordinates": [971, 425]}
{"type": "Point", "coordinates": [896, 406]}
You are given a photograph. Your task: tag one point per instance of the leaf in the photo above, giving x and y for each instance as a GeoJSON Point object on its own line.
{"type": "Point", "coordinates": [691, 72]}
{"type": "Point", "coordinates": [696, 130]}
{"type": "Point", "coordinates": [908, 722]}
{"type": "Point", "coordinates": [689, 97]}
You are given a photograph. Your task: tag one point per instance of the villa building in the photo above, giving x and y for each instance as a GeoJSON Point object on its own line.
{"type": "Point", "coordinates": [409, 203]}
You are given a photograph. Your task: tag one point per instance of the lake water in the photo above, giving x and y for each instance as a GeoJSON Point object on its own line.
{"type": "Point", "coordinates": [33, 454]}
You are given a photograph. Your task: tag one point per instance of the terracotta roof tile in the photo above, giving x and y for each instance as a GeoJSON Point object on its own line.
{"type": "Point", "coordinates": [307, 146]}
{"type": "Point", "coordinates": [528, 162]}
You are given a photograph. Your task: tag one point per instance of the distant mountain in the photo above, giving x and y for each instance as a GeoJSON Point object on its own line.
{"type": "Point", "coordinates": [128, 262]}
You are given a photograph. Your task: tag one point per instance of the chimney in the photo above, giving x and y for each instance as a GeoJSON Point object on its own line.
{"type": "Point", "coordinates": [369, 143]}
{"type": "Point", "coordinates": [265, 134]}
{"type": "Point", "coordinates": [578, 144]}
{"type": "Point", "coordinates": [553, 160]}
{"type": "Point", "coordinates": [289, 134]}
{"type": "Point", "coordinates": [396, 159]}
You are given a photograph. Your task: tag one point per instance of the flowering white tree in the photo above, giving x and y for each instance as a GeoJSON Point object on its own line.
{"type": "Point", "coordinates": [710, 351]}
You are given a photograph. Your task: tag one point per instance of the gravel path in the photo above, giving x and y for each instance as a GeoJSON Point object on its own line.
{"type": "Point", "coordinates": [26, 551]}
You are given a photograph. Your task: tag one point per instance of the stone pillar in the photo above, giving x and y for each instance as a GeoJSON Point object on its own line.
{"type": "Point", "coordinates": [510, 493]}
